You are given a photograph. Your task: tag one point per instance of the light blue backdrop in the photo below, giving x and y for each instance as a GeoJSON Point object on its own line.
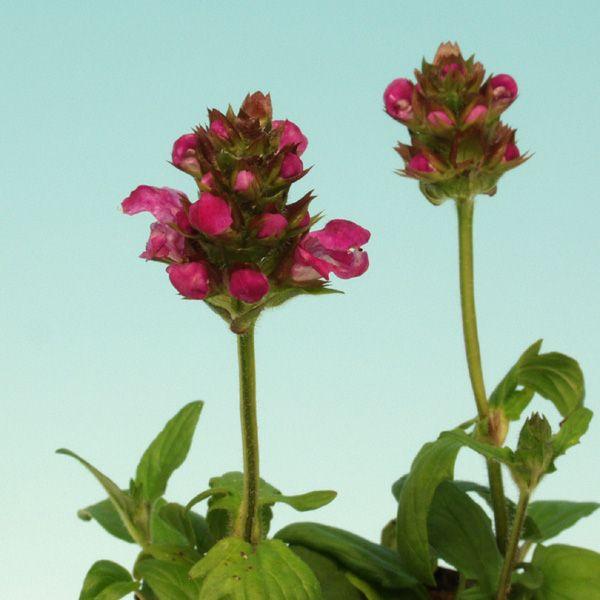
{"type": "Point", "coordinates": [97, 348]}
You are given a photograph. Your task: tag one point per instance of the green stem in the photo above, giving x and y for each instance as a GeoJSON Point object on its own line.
{"type": "Point", "coordinates": [247, 525]}
{"type": "Point", "coordinates": [465, 210]}
{"type": "Point", "coordinates": [513, 546]}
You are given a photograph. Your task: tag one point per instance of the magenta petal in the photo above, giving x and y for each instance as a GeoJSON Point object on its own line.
{"type": "Point", "coordinates": [477, 112]}
{"type": "Point", "coordinates": [291, 136]}
{"type": "Point", "coordinates": [211, 214]}
{"type": "Point", "coordinates": [163, 203]}
{"type": "Point", "coordinates": [511, 152]}
{"type": "Point", "coordinates": [220, 129]}
{"type": "Point", "coordinates": [248, 285]}
{"type": "Point", "coordinates": [190, 279]}
{"type": "Point", "coordinates": [350, 264]}
{"type": "Point", "coordinates": [419, 162]}
{"type": "Point", "coordinates": [341, 234]}
{"type": "Point", "coordinates": [439, 117]}
{"type": "Point", "coordinates": [164, 243]}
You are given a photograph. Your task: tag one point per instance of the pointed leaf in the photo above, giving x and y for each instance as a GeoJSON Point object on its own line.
{"type": "Point", "coordinates": [167, 452]}
{"type": "Point", "coordinates": [170, 524]}
{"type": "Point", "coordinates": [107, 580]}
{"type": "Point", "coordinates": [569, 573]}
{"type": "Point", "coordinates": [123, 503]}
{"type": "Point", "coordinates": [572, 429]}
{"type": "Point", "coordinates": [461, 534]}
{"type": "Point", "coordinates": [554, 376]}
{"type": "Point", "coordinates": [502, 455]}
{"type": "Point", "coordinates": [554, 516]}
{"type": "Point", "coordinates": [106, 515]}
{"type": "Point", "coordinates": [234, 569]}
{"type": "Point", "coordinates": [301, 502]}
{"type": "Point", "coordinates": [370, 561]}
{"type": "Point", "coordinates": [169, 581]}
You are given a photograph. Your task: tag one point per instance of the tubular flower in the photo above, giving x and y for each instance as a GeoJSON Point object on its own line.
{"type": "Point", "coordinates": [458, 145]}
{"type": "Point", "coordinates": [240, 246]}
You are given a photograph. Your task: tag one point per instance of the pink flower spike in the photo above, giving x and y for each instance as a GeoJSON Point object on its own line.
{"type": "Point", "coordinates": [504, 87]}
{"type": "Point", "coordinates": [219, 129]}
{"type": "Point", "coordinates": [163, 203]}
{"type": "Point", "coordinates": [477, 112]}
{"type": "Point", "coordinates": [248, 285]}
{"type": "Point", "coordinates": [211, 214]}
{"type": "Point", "coordinates": [190, 279]}
{"type": "Point", "coordinates": [164, 243]}
{"type": "Point", "coordinates": [243, 180]}
{"type": "Point", "coordinates": [208, 180]}
{"type": "Point", "coordinates": [291, 136]}
{"type": "Point", "coordinates": [271, 225]}
{"type": "Point", "coordinates": [334, 249]}
{"type": "Point", "coordinates": [291, 166]}
{"type": "Point", "coordinates": [511, 152]}
{"type": "Point", "coordinates": [184, 154]}
{"type": "Point", "coordinates": [420, 163]}
{"type": "Point", "coordinates": [398, 99]}
{"type": "Point", "coordinates": [439, 117]}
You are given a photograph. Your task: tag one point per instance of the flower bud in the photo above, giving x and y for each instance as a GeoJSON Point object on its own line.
{"type": "Point", "coordinates": [476, 113]}
{"type": "Point", "coordinates": [190, 279]}
{"type": "Point", "coordinates": [511, 152]}
{"type": "Point", "coordinates": [257, 106]}
{"type": "Point", "coordinates": [219, 129]}
{"type": "Point", "coordinates": [243, 180]}
{"type": "Point", "coordinates": [504, 88]}
{"type": "Point", "coordinates": [419, 162]}
{"type": "Point", "coordinates": [398, 99]}
{"type": "Point", "coordinates": [291, 135]}
{"type": "Point", "coordinates": [210, 214]}
{"type": "Point", "coordinates": [440, 118]}
{"type": "Point", "coordinates": [248, 284]}
{"type": "Point", "coordinates": [271, 225]}
{"type": "Point", "coordinates": [291, 166]}
{"type": "Point", "coordinates": [183, 155]}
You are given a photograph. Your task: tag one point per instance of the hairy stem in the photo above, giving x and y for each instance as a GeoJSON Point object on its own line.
{"type": "Point", "coordinates": [465, 210]}
{"type": "Point", "coordinates": [247, 526]}
{"type": "Point", "coordinates": [513, 546]}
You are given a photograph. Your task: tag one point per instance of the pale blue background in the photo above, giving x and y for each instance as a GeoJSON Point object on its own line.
{"type": "Point", "coordinates": [97, 348]}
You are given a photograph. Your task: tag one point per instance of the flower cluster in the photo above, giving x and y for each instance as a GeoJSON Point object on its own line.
{"type": "Point", "coordinates": [240, 245]}
{"type": "Point", "coordinates": [459, 147]}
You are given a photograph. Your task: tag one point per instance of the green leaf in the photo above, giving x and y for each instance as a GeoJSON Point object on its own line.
{"type": "Point", "coordinates": [204, 539]}
{"type": "Point", "coordinates": [554, 376]}
{"type": "Point", "coordinates": [370, 561]}
{"type": "Point", "coordinates": [301, 502]}
{"type": "Point", "coordinates": [236, 570]}
{"type": "Point", "coordinates": [571, 431]}
{"type": "Point", "coordinates": [332, 578]}
{"type": "Point", "coordinates": [169, 581]}
{"type": "Point", "coordinates": [107, 580]}
{"type": "Point", "coordinates": [554, 516]}
{"type": "Point", "coordinates": [388, 535]}
{"type": "Point", "coordinates": [371, 592]}
{"type": "Point", "coordinates": [461, 534]}
{"type": "Point", "coordinates": [167, 452]}
{"type": "Point", "coordinates": [475, 593]}
{"type": "Point", "coordinates": [106, 515]}
{"type": "Point", "coordinates": [123, 503]}
{"type": "Point", "coordinates": [503, 455]}
{"type": "Point", "coordinates": [433, 464]}
{"type": "Point", "coordinates": [569, 573]}
{"type": "Point", "coordinates": [170, 524]}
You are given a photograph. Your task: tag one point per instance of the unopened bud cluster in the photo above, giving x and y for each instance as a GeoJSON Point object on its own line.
{"type": "Point", "coordinates": [459, 146]}
{"type": "Point", "coordinates": [241, 239]}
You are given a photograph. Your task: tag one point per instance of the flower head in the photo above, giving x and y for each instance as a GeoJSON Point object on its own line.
{"type": "Point", "coordinates": [241, 246]}
{"type": "Point", "coordinates": [458, 145]}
